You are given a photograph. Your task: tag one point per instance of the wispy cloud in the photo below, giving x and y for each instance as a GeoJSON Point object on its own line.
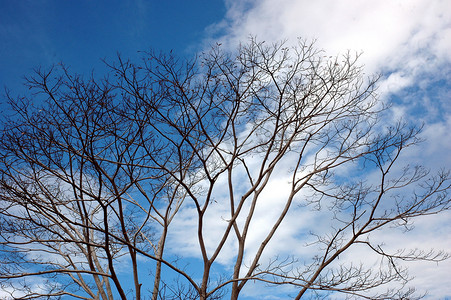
{"type": "Point", "coordinates": [386, 31]}
{"type": "Point", "coordinates": [408, 43]}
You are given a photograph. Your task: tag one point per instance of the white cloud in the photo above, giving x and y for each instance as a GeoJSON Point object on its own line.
{"type": "Point", "coordinates": [407, 42]}
{"type": "Point", "coordinates": [410, 38]}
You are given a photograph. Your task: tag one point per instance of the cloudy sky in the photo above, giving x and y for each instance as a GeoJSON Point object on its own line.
{"type": "Point", "coordinates": [407, 41]}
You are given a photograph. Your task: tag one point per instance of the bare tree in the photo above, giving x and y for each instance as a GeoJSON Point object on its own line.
{"type": "Point", "coordinates": [94, 173]}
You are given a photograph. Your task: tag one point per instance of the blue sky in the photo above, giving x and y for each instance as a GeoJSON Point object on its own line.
{"type": "Point", "coordinates": [408, 42]}
{"type": "Point", "coordinates": [81, 33]}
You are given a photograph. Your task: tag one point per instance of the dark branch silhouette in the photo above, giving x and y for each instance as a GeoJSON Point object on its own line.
{"type": "Point", "coordinates": [93, 174]}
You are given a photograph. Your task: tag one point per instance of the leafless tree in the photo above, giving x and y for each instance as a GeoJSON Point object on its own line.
{"type": "Point", "coordinates": [94, 172]}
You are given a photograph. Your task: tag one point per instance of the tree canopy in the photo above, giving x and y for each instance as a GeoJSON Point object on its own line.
{"type": "Point", "coordinates": [99, 174]}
